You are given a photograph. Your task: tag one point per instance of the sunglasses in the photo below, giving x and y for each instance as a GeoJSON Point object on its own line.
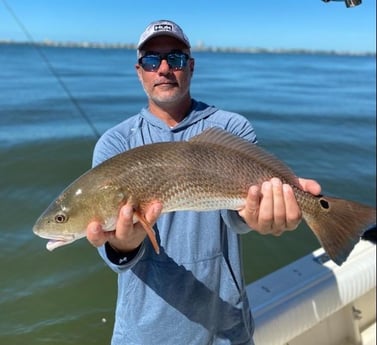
{"type": "Point", "coordinates": [152, 61]}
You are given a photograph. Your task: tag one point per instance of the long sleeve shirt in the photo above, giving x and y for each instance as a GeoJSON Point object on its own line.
{"type": "Point", "coordinates": [193, 291]}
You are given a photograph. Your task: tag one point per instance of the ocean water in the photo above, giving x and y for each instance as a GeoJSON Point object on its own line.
{"type": "Point", "coordinates": [316, 112]}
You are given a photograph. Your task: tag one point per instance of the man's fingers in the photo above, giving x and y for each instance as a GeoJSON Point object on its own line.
{"type": "Point", "coordinates": [125, 221]}
{"type": "Point", "coordinates": [293, 211]}
{"type": "Point", "coordinates": [273, 208]}
{"type": "Point", "coordinates": [266, 208]}
{"type": "Point", "coordinates": [279, 211]}
{"type": "Point", "coordinates": [253, 201]}
{"type": "Point", "coordinates": [95, 235]}
{"type": "Point", "coordinates": [153, 212]}
{"type": "Point", "coordinates": [250, 212]}
{"type": "Point", "coordinates": [310, 186]}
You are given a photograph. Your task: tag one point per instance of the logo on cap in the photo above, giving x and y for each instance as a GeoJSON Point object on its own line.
{"type": "Point", "coordinates": [163, 27]}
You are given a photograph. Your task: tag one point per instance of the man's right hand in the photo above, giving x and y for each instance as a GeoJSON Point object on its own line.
{"type": "Point", "coordinates": [127, 236]}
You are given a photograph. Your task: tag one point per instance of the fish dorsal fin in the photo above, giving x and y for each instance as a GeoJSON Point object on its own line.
{"type": "Point", "coordinates": [217, 135]}
{"type": "Point", "coordinates": [221, 137]}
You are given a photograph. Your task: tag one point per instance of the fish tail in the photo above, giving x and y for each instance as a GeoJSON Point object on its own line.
{"type": "Point", "coordinates": [339, 224]}
{"type": "Point", "coordinates": [149, 230]}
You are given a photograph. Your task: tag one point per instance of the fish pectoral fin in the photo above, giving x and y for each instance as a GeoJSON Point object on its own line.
{"type": "Point", "coordinates": [149, 230]}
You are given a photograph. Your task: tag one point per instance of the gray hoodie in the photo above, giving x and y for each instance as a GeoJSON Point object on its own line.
{"type": "Point", "coordinates": [193, 291]}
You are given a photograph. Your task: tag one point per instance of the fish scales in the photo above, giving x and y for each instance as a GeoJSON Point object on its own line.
{"type": "Point", "coordinates": [213, 170]}
{"type": "Point", "coordinates": [190, 170]}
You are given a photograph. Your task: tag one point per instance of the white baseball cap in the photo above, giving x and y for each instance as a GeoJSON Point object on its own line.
{"type": "Point", "coordinates": [163, 28]}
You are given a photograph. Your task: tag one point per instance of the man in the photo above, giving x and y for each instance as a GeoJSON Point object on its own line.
{"type": "Point", "coordinates": [193, 291]}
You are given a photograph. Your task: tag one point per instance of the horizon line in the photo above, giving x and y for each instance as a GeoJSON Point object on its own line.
{"type": "Point", "coordinates": [196, 48]}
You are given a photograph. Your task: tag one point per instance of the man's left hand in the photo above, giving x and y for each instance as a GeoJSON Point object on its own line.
{"type": "Point", "coordinates": [272, 208]}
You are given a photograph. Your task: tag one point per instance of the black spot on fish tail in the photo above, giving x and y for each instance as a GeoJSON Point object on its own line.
{"type": "Point", "coordinates": [324, 203]}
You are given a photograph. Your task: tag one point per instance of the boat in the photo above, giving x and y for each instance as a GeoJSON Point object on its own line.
{"type": "Point", "coordinates": [312, 301]}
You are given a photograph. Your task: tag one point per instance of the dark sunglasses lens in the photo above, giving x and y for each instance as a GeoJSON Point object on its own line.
{"type": "Point", "coordinates": [177, 61]}
{"type": "Point", "coordinates": [150, 62]}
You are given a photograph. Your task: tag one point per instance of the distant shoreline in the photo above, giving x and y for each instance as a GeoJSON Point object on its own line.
{"type": "Point", "coordinates": [198, 48]}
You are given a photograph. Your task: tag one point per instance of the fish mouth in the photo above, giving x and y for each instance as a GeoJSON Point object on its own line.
{"type": "Point", "coordinates": [57, 241]}
{"type": "Point", "coordinates": [53, 244]}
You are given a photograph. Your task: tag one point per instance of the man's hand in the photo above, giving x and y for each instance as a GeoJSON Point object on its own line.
{"type": "Point", "coordinates": [127, 236]}
{"type": "Point", "coordinates": [272, 208]}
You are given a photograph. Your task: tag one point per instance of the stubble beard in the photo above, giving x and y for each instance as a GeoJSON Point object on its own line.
{"type": "Point", "coordinates": [163, 99]}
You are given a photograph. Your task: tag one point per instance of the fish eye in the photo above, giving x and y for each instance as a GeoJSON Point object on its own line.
{"type": "Point", "coordinates": [61, 218]}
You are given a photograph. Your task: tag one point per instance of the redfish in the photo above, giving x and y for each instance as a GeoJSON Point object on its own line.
{"type": "Point", "coordinates": [212, 171]}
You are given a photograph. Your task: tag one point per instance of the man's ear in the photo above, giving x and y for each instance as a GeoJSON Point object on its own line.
{"type": "Point", "coordinates": [192, 65]}
{"type": "Point", "coordinates": [138, 71]}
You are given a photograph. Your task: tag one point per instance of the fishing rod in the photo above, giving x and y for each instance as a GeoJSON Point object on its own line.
{"type": "Point", "coordinates": [52, 70]}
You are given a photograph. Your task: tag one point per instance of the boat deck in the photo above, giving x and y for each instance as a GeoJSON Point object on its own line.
{"type": "Point", "coordinates": [313, 301]}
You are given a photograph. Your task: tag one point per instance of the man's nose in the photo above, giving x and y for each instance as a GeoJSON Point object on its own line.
{"type": "Point", "coordinates": [164, 67]}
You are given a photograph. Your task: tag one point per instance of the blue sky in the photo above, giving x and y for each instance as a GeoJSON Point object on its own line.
{"type": "Point", "coordinates": [274, 24]}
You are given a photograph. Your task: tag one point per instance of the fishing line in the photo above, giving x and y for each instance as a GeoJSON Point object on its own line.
{"type": "Point", "coordinates": [52, 70]}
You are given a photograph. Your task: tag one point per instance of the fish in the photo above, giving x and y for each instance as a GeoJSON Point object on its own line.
{"type": "Point", "coordinates": [211, 171]}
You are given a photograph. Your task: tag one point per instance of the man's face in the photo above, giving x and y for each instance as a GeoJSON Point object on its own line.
{"type": "Point", "coordinates": [166, 85]}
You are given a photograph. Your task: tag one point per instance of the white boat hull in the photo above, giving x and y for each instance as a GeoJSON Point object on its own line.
{"type": "Point", "coordinates": [312, 301]}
